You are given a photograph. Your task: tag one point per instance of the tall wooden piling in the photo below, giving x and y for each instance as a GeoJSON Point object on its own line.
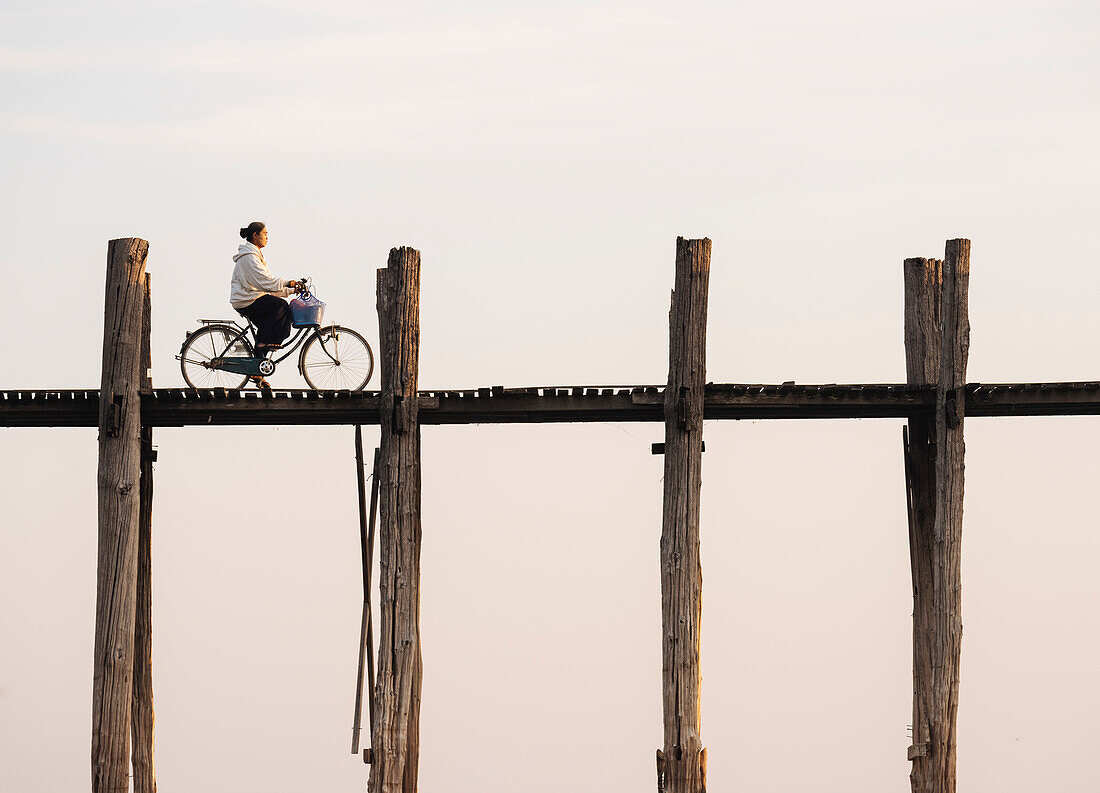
{"type": "Point", "coordinates": [682, 763]}
{"type": "Point", "coordinates": [395, 743]}
{"type": "Point", "coordinates": [937, 343]}
{"type": "Point", "coordinates": [141, 721]}
{"type": "Point", "coordinates": [118, 484]}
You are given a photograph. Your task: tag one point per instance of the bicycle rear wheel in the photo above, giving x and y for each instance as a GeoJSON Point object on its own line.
{"type": "Point", "coordinates": [338, 358]}
{"type": "Point", "coordinates": [206, 344]}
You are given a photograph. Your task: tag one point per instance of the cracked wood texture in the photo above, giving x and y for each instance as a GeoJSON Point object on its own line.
{"type": "Point", "coordinates": [937, 342]}
{"type": "Point", "coordinates": [141, 721]}
{"type": "Point", "coordinates": [682, 763]}
{"type": "Point", "coordinates": [118, 484]}
{"type": "Point", "coordinates": [395, 742]}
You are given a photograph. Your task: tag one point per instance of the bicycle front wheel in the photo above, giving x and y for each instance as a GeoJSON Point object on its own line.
{"type": "Point", "coordinates": [204, 345]}
{"type": "Point", "coordinates": [338, 358]}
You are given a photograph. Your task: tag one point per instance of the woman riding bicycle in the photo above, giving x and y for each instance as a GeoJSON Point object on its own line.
{"type": "Point", "coordinates": [257, 295]}
{"type": "Point", "coordinates": [221, 355]}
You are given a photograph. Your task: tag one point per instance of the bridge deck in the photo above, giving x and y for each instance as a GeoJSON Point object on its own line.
{"type": "Point", "coordinates": [174, 407]}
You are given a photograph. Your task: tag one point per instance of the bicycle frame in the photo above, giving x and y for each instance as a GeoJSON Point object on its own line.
{"type": "Point", "coordinates": [301, 335]}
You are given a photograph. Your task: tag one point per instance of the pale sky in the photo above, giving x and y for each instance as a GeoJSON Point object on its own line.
{"type": "Point", "coordinates": [543, 157]}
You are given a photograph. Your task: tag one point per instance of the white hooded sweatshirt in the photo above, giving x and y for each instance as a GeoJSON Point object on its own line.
{"type": "Point", "coordinates": [252, 279]}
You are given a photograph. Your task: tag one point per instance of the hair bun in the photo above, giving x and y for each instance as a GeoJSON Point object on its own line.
{"type": "Point", "coordinates": [255, 227]}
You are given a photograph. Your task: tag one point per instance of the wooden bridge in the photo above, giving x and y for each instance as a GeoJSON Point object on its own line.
{"type": "Point", "coordinates": [177, 407]}
{"type": "Point", "coordinates": [935, 400]}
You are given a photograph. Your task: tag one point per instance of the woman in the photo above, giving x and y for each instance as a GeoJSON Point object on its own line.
{"type": "Point", "coordinates": [257, 294]}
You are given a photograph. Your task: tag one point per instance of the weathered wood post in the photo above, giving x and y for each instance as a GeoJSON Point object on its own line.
{"type": "Point", "coordinates": [937, 342]}
{"type": "Point", "coordinates": [366, 626]}
{"type": "Point", "coordinates": [141, 756]}
{"type": "Point", "coordinates": [118, 495]}
{"type": "Point", "coordinates": [395, 743]}
{"type": "Point", "coordinates": [682, 764]}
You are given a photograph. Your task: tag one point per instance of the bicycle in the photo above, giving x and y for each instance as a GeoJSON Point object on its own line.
{"type": "Point", "coordinates": [221, 354]}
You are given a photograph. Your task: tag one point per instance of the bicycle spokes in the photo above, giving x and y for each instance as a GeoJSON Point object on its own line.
{"type": "Point", "coordinates": [337, 358]}
{"type": "Point", "coordinates": [202, 353]}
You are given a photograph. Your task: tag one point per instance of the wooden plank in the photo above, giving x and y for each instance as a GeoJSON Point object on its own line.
{"type": "Point", "coordinates": [395, 742]}
{"type": "Point", "coordinates": [681, 764]}
{"type": "Point", "coordinates": [173, 407]}
{"type": "Point", "coordinates": [118, 489]}
{"type": "Point", "coordinates": [659, 448]}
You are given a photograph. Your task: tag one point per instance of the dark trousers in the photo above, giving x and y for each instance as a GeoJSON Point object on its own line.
{"type": "Point", "coordinates": [271, 316]}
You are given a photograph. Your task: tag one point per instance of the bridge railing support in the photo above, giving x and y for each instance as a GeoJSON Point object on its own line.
{"type": "Point", "coordinates": [395, 742]}
{"type": "Point", "coordinates": [682, 763]}
{"type": "Point", "coordinates": [937, 342]}
{"type": "Point", "coordinates": [118, 495]}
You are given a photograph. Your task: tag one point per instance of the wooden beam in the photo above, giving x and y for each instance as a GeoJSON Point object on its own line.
{"type": "Point", "coordinates": [176, 407]}
{"type": "Point", "coordinates": [682, 763]}
{"type": "Point", "coordinates": [372, 705]}
{"type": "Point", "coordinates": [118, 485]}
{"type": "Point", "coordinates": [142, 716]}
{"type": "Point", "coordinates": [395, 744]}
{"type": "Point", "coordinates": [366, 626]}
{"type": "Point", "coordinates": [937, 340]}
{"type": "Point", "coordinates": [361, 491]}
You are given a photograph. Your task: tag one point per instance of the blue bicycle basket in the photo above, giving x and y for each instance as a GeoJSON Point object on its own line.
{"type": "Point", "coordinates": [306, 311]}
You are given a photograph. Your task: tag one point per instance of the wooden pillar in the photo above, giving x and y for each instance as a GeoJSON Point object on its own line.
{"type": "Point", "coordinates": [395, 744]}
{"type": "Point", "coordinates": [937, 342]}
{"type": "Point", "coordinates": [142, 717]}
{"type": "Point", "coordinates": [118, 496]}
{"type": "Point", "coordinates": [682, 764]}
